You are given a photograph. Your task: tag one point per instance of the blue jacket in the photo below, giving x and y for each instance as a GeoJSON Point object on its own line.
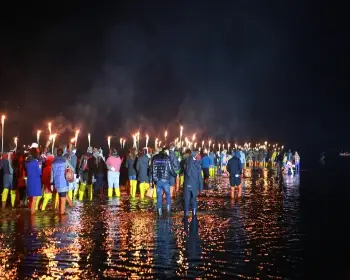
{"type": "Point", "coordinates": [33, 177]}
{"type": "Point", "coordinates": [193, 174]}
{"type": "Point", "coordinates": [58, 174]}
{"type": "Point", "coordinates": [142, 167]}
{"type": "Point", "coordinates": [212, 158]}
{"type": "Point", "coordinates": [206, 162]}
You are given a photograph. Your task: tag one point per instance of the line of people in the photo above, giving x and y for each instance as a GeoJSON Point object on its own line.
{"type": "Point", "coordinates": [62, 178]}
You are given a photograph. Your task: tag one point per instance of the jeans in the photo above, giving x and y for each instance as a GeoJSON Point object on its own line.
{"type": "Point", "coordinates": [113, 179]}
{"type": "Point", "coordinates": [190, 197]}
{"type": "Point", "coordinates": [132, 177]}
{"type": "Point", "coordinates": [297, 167]}
{"type": "Point", "coordinates": [99, 181]}
{"type": "Point", "coordinates": [163, 186]}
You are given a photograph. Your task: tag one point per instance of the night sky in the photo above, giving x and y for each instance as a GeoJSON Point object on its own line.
{"type": "Point", "coordinates": [239, 70]}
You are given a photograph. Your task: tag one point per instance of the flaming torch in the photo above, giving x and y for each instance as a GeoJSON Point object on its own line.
{"type": "Point", "coordinates": [109, 142]}
{"type": "Point", "coordinates": [15, 140]}
{"type": "Point", "coordinates": [89, 139]}
{"type": "Point", "coordinates": [38, 137]}
{"type": "Point", "coordinates": [53, 141]}
{"type": "Point", "coordinates": [76, 138]}
{"type": "Point", "coordinates": [165, 135]}
{"type": "Point", "coordinates": [147, 138]}
{"type": "Point", "coordinates": [124, 140]}
{"type": "Point", "coordinates": [181, 129]}
{"type": "Point", "coordinates": [121, 143]}
{"type": "Point", "coordinates": [2, 133]}
{"type": "Point", "coordinates": [202, 144]}
{"type": "Point", "coordinates": [49, 127]}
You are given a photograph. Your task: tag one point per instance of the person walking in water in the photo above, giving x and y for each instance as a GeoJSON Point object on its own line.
{"type": "Point", "coordinates": [193, 183]}
{"type": "Point", "coordinates": [234, 168]}
{"type": "Point", "coordinates": [162, 170]}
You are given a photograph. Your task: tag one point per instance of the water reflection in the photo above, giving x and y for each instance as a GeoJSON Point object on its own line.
{"type": "Point", "coordinates": [256, 236]}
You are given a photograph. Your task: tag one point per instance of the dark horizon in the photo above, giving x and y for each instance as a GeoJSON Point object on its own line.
{"type": "Point", "coordinates": [233, 71]}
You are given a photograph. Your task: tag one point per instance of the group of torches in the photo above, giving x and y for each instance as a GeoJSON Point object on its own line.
{"type": "Point", "coordinates": [179, 142]}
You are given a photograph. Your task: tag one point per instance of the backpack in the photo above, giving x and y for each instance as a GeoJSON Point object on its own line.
{"type": "Point", "coordinates": [69, 175]}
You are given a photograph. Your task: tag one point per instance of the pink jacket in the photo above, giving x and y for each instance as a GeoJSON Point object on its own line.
{"type": "Point", "coordinates": [114, 162]}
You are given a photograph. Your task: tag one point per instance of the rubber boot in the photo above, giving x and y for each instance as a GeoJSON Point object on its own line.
{"type": "Point", "coordinates": [82, 189]}
{"type": "Point", "coordinates": [90, 191]}
{"type": "Point", "coordinates": [47, 198]}
{"type": "Point", "coordinates": [5, 194]}
{"type": "Point", "coordinates": [110, 192]}
{"type": "Point", "coordinates": [131, 187]}
{"type": "Point", "coordinates": [56, 200]}
{"type": "Point", "coordinates": [117, 192]}
{"type": "Point", "coordinates": [202, 174]}
{"type": "Point", "coordinates": [194, 212]}
{"type": "Point", "coordinates": [37, 203]}
{"type": "Point", "coordinates": [146, 186]}
{"type": "Point", "coordinates": [160, 211]}
{"type": "Point", "coordinates": [134, 185]}
{"type": "Point", "coordinates": [181, 180]}
{"type": "Point", "coordinates": [142, 190]}
{"type": "Point", "coordinates": [13, 198]}
{"type": "Point", "coordinates": [155, 193]}
{"type": "Point", "coordinates": [75, 192]}
{"type": "Point", "coordinates": [70, 194]}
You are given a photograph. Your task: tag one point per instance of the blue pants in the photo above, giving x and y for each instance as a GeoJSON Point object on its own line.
{"type": "Point", "coordinates": [99, 181]}
{"type": "Point", "coordinates": [297, 167]}
{"type": "Point", "coordinates": [163, 186]}
{"type": "Point", "coordinates": [132, 177]}
{"type": "Point", "coordinates": [190, 197]}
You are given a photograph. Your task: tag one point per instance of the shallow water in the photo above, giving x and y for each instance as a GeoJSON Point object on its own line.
{"type": "Point", "coordinates": [257, 237]}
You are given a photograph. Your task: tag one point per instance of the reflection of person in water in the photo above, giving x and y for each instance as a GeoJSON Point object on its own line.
{"type": "Point", "coordinates": [165, 239]}
{"type": "Point", "coordinates": [193, 247]}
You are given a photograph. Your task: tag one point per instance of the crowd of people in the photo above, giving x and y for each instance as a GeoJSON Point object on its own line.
{"type": "Point", "coordinates": [40, 177]}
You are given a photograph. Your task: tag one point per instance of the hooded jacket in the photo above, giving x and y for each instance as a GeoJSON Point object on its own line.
{"type": "Point", "coordinates": [193, 174]}
{"type": "Point", "coordinates": [142, 167]}
{"type": "Point", "coordinates": [234, 166]}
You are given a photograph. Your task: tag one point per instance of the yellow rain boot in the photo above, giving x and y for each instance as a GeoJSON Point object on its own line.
{"type": "Point", "coordinates": [131, 187]}
{"type": "Point", "coordinates": [133, 195]}
{"type": "Point", "coordinates": [202, 174]}
{"type": "Point", "coordinates": [82, 191]}
{"type": "Point", "coordinates": [117, 192]}
{"type": "Point", "coordinates": [90, 191]}
{"type": "Point", "coordinates": [110, 192]}
{"type": "Point", "coordinates": [75, 192]}
{"type": "Point", "coordinates": [13, 198]}
{"type": "Point", "coordinates": [56, 201]}
{"type": "Point", "coordinates": [181, 180]}
{"type": "Point", "coordinates": [146, 186]}
{"type": "Point", "coordinates": [5, 194]}
{"type": "Point", "coordinates": [37, 203]}
{"type": "Point", "coordinates": [47, 198]}
{"type": "Point", "coordinates": [142, 190]}
{"type": "Point", "coordinates": [70, 194]}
